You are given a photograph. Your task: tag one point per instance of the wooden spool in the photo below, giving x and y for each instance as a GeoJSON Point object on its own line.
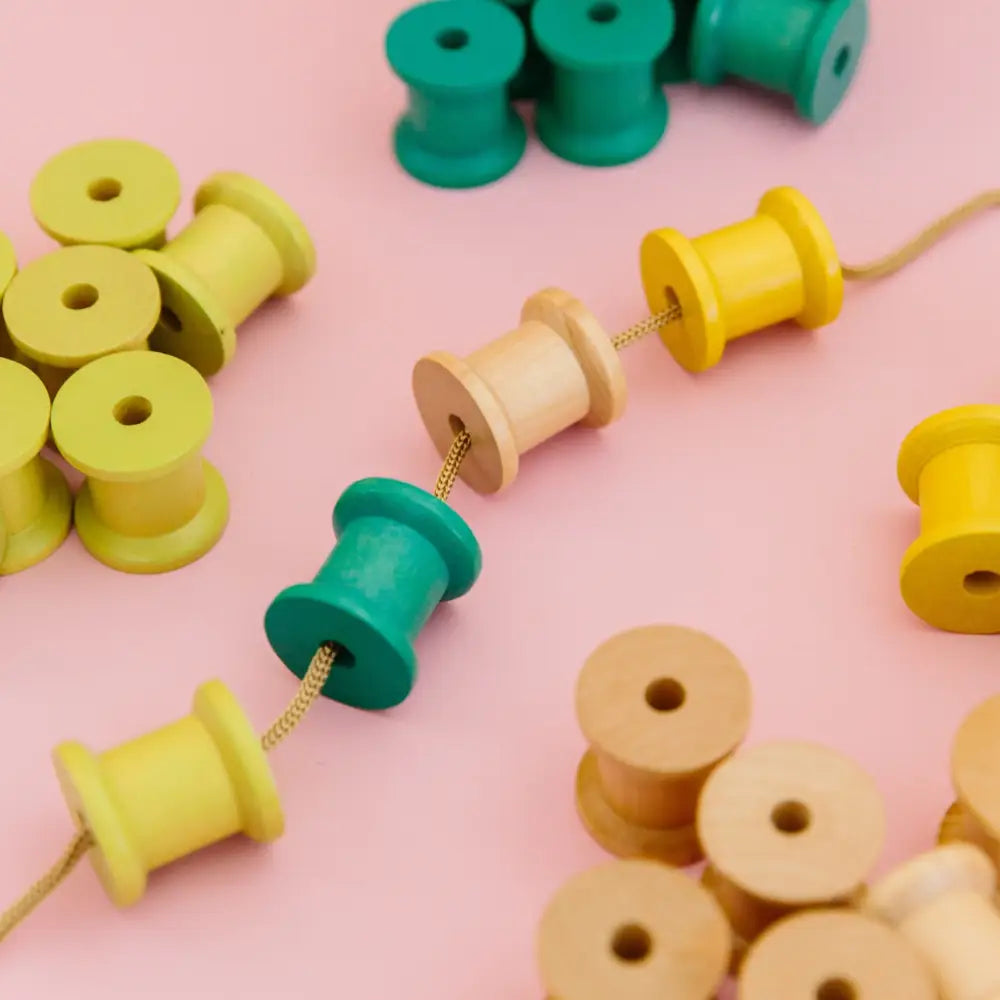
{"type": "Point", "coordinates": [632, 930]}
{"type": "Point", "coordinates": [975, 773]}
{"type": "Point", "coordinates": [833, 955]}
{"type": "Point", "coordinates": [942, 902]}
{"type": "Point", "coordinates": [660, 706]}
{"type": "Point", "coordinates": [556, 369]}
{"type": "Point", "coordinates": [788, 826]}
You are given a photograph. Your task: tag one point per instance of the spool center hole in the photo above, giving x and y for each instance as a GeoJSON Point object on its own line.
{"type": "Point", "coordinates": [839, 65]}
{"type": "Point", "coordinates": [665, 695]}
{"type": "Point", "coordinates": [343, 657]}
{"type": "Point", "coordinates": [453, 39]}
{"type": "Point", "coordinates": [603, 13]}
{"type": "Point", "coordinates": [456, 424]}
{"type": "Point", "coordinates": [632, 943]}
{"type": "Point", "coordinates": [170, 319]}
{"type": "Point", "coordinates": [791, 817]}
{"type": "Point", "coordinates": [836, 989]}
{"type": "Point", "coordinates": [982, 583]}
{"type": "Point", "coordinates": [81, 296]}
{"type": "Point", "coordinates": [104, 189]}
{"type": "Point", "coordinates": [133, 410]}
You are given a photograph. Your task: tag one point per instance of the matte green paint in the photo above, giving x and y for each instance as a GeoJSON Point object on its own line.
{"type": "Point", "coordinates": [674, 66]}
{"type": "Point", "coordinates": [400, 551]}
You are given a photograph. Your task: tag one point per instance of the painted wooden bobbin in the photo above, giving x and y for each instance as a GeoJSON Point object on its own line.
{"type": "Point", "coordinates": [975, 774]}
{"type": "Point", "coordinates": [777, 266]}
{"type": "Point", "coordinates": [786, 826]}
{"type": "Point", "coordinates": [632, 930]}
{"type": "Point", "coordinates": [604, 106]}
{"type": "Point", "coordinates": [116, 192]}
{"type": "Point", "coordinates": [78, 304]}
{"type": "Point", "coordinates": [400, 552]}
{"type": "Point", "coordinates": [950, 466]}
{"type": "Point", "coordinates": [943, 904]}
{"type": "Point", "coordinates": [134, 425]}
{"type": "Point", "coordinates": [808, 49]}
{"type": "Point", "coordinates": [36, 507]}
{"type": "Point", "coordinates": [833, 955]}
{"type": "Point", "coordinates": [661, 707]}
{"type": "Point", "coordinates": [458, 59]}
{"type": "Point", "coordinates": [167, 794]}
{"type": "Point", "coordinates": [8, 268]}
{"type": "Point", "coordinates": [556, 369]}
{"type": "Point", "coordinates": [244, 245]}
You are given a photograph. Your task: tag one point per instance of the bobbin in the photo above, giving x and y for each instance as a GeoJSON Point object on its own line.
{"type": "Point", "coordinates": [115, 192]}
{"type": "Point", "coordinates": [786, 826]}
{"type": "Point", "coordinates": [632, 930]}
{"type": "Point", "coordinates": [8, 268]}
{"type": "Point", "coordinates": [661, 706]}
{"type": "Point", "coordinates": [556, 369]}
{"type": "Point", "coordinates": [604, 106]}
{"type": "Point", "coordinates": [400, 552]}
{"type": "Point", "coordinates": [674, 66]}
{"type": "Point", "coordinates": [78, 304]}
{"type": "Point", "coordinates": [833, 955]}
{"type": "Point", "coordinates": [171, 792]}
{"type": "Point", "coordinates": [777, 266]}
{"type": "Point", "coordinates": [243, 246]}
{"type": "Point", "coordinates": [457, 59]}
{"type": "Point", "coordinates": [949, 465]}
{"type": "Point", "coordinates": [975, 774]}
{"type": "Point", "coordinates": [942, 902]}
{"type": "Point", "coordinates": [535, 74]}
{"type": "Point", "coordinates": [35, 503]}
{"type": "Point", "coordinates": [134, 425]}
{"type": "Point", "coordinates": [809, 49]}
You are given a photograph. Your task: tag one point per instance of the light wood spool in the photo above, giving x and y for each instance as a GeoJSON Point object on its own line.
{"type": "Point", "coordinates": [632, 930]}
{"type": "Point", "coordinates": [788, 826]}
{"type": "Point", "coordinates": [556, 369]}
{"type": "Point", "coordinates": [942, 902]}
{"type": "Point", "coordinates": [660, 706]}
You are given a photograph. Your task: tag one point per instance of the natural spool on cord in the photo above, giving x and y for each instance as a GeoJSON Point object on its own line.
{"type": "Point", "coordinates": [323, 661]}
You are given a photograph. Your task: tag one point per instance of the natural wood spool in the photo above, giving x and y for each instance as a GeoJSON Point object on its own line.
{"type": "Point", "coordinates": [632, 930]}
{"type": "Point", "coordinates": [942, 902]}
{"type": "Point", "coordinates": [660, 706]}
{"type": "Point", "coordinates": [556, 369]}
{"type": "Point", "coordinates": [788, 826]}
{"type": "Point", "coordinates": [833, 955]}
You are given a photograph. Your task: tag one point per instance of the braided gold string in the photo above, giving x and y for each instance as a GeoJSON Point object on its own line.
{"type": "Point", "coordinates": [44, 887]}
{"type": "Point", "coordinates": [645, 327]}
{"type": "Point", "coordinates": [309, 690]}
{"type": "Point", "coordinates": [452, 463]}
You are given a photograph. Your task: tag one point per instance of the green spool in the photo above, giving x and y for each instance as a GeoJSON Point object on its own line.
{"type": "Point", "coordinates": [605, 106]}
{"type": "Point", "coordinates": [458, 58]}
{"type": "Point", "coordinates": [533, 77]}
{"type": "Point", "coordinates": [674, 66]}
{"type": "Point", "coordinates": [809, 49]}
{"type": "Point", "coordinates": [400, 551]}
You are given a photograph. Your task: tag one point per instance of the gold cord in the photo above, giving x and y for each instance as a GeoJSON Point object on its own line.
{"type": "Point", "coordinates": [309, 690]}
{"type": "Point", "coordinates": [644, 327]}
{"type": "Point", "coordinates": [47, 884]}
{"type": "Point", "coordinates": [924, 240]}
{"type": "Point", "coordinates": [452, 463]}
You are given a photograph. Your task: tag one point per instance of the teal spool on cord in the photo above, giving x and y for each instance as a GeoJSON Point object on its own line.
{"type": "Point", "coordinates": [809, 49]}
{"type": "Point", "coordinates": [458, 58]}
{"type": "Point", "coordinates": [400, 551]}
{"type": "Point", "coordinates": [604, 106]}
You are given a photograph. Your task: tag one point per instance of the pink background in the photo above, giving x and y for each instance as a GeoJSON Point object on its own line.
{"type": "Point", "coordinates": [757, 502]}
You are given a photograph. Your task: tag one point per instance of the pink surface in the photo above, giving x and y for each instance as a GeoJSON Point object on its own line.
{"type": "Point", "coordinates": [757, 502]}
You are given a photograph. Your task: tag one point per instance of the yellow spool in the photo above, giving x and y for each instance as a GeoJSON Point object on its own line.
{"type": "Point", "coordinates": [243, 246]}
{"type": "Point", "coordinates": [134, 425]}
{"type": "Point", "coordinates": [8, 268]}
{"type": "Point", "coordinates": [115, 192]}
{"type": "Point", "coordinates": [949, 465]}
{"type": "Point", "coordinates": [171, 792]}
{"type": "Point", "coordinates": [35, 501]}
{"type": "Point", "coordinates": [777, 266]}
{"type": "Point", "coordinates": [77, 304]}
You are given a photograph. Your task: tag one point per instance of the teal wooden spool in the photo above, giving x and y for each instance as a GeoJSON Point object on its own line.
{"type": "Point", "coordinates": [533, 77]}
{"type": "Point", "coordinates": [605, 106]}
{"type": "Point", "coordinates": [674, 66]}
{"type": "Point", "coordinates": [809, 49]}
{"type": "Point", "coordinates": [458, 58]}
{"type": "Point", "coordinates": [400, 551]}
